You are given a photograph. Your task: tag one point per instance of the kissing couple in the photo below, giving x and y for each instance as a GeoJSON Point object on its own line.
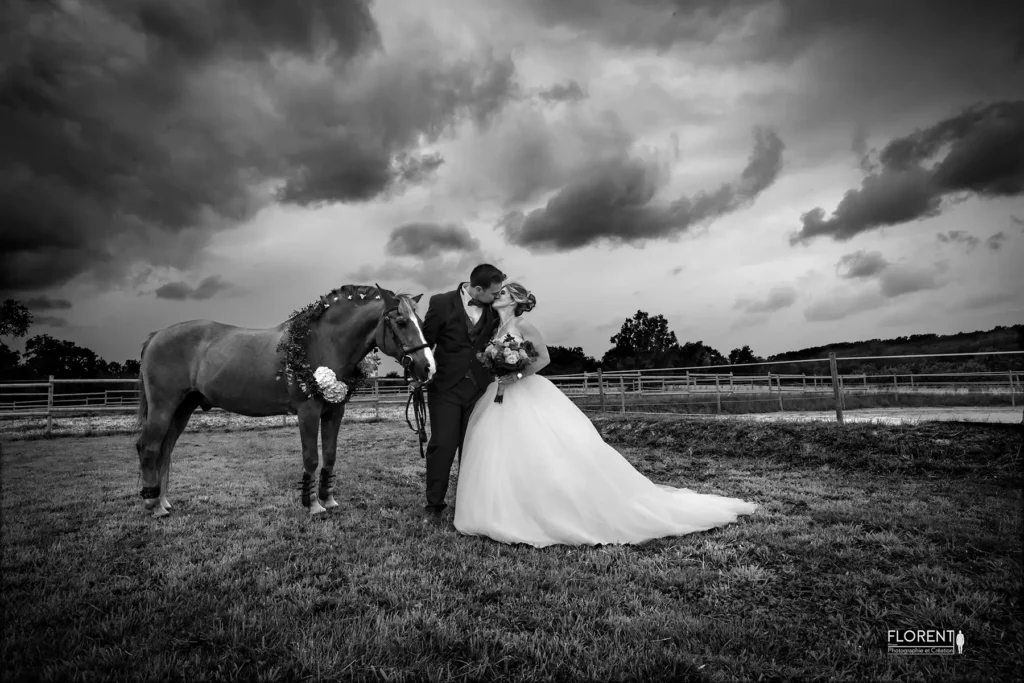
{"type": "Point", "coordinates": [533, 469]}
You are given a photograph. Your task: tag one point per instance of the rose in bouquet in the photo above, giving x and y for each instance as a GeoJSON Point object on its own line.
{"type": "Point", "coordinates": [506, 356]}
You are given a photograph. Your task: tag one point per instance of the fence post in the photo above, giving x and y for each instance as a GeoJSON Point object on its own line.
{"type": "Point", "coordinates": [781, 409]}
{"type": "Point", "coordinates": [49, 407]}
{"type": "Point", "coordinates": [836, 390]}
{"type": "Point", "coordinates": [622, 393]}
{"type": "Point", "coordinates": [896, 389]}
{"type": "Point", "coordinates": [600, 387]}
{"type": "Point", "coordinates": [718, 394]}
{"type": "Point", "coordinates": [585, 382]}
{"type": "Point", "coordinates": [1013, 392]}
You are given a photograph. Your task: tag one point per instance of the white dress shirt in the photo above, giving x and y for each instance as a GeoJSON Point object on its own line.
{"type": "Point", "coordinates": [474, 312]}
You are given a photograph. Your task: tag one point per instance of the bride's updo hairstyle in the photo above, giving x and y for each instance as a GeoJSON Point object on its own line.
{"type": "Point", "coordinates": [525, 301]}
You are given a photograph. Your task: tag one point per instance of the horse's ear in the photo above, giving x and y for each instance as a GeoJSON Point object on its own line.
{"type": "Point", "coordinates": [417, 298]}
{"type": "Point", "coordinates": [388, 297]}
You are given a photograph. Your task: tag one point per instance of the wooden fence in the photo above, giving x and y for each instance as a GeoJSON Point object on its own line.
{"type": "Point", "coordinates": [597, 391]}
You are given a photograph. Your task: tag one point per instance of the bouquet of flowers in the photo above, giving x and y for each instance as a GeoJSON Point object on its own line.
{"type": "Point", "coordinates": [370, 363]}
{"type": "Point", "coordinates": [505, 356]}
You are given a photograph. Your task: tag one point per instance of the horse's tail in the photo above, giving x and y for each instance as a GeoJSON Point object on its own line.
{"type": "Point", "coordinates": [143, 411]}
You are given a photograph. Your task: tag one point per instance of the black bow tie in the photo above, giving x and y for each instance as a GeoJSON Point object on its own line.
{"type": "Point", "coordinates": [474, 302]}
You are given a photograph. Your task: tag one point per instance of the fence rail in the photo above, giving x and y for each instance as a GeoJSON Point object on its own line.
{"type": "Point", "coordinates": [669, 390]}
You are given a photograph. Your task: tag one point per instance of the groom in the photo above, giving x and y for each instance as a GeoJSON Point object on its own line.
{"type": "Point", "coordinates": [458, 325]}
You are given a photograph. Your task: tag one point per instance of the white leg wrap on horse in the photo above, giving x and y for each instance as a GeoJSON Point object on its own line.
{"type": "Point", "coordinates": [328, 502]}
{"type": "Point", "coordinates": [315, 508]}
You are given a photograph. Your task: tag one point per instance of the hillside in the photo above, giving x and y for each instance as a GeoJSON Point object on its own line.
{"type": "Point", "coordinates": [1000, 338]}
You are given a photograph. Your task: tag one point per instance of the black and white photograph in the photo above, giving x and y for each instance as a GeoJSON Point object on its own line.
{"type": "Point", "coordinates": [511, 340]}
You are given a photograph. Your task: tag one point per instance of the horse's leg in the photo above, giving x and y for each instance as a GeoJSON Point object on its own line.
{"type": "Point", "coordinates": [309, 423]}
{"type": "Point", "coordinates": [177, 426]}
{"type": "Point", "coordinates": [150, 448]}
{"type": "Point", "coordinates": [330, 424]}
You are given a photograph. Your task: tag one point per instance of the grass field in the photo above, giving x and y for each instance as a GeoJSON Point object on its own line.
{"type": "Point", "coordinates": [862, 528]}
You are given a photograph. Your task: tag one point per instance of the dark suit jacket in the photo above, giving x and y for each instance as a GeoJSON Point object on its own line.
{"type": "Point", "coordinates": [456, 341]}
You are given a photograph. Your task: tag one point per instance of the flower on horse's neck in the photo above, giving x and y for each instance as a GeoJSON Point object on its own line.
{"type": "Point", "coordinates": [331, 388]}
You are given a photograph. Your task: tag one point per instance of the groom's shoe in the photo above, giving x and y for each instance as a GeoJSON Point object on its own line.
{"type": "Point", "coordinates": [433, 514]}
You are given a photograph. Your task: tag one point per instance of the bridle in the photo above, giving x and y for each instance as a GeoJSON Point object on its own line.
{"type": "Point", "coordinates": [406, 352]}
{"type": "Point", "coordinates": [416, 398]}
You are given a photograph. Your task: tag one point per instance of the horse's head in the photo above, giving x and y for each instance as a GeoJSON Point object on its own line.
{"type": "Point", "coordinates": [400, 335]}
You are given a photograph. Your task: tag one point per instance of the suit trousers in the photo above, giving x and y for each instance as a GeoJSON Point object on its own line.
{"type": "Point", "coordinates": [449, 417]}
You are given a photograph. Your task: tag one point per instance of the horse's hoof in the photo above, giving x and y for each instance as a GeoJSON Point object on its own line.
{"type": "Point", "coordinates": [328, 503]}
{"type": "Point", "coordinates": [150, 503]}
{"type": "Point", "coordinates": [165, 504]}
{"type": "Point", "coordinates": [161, 512]}
{"type": "Point", "coordinates": [315, 508]}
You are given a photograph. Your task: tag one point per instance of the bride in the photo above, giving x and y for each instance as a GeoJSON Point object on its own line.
{"type": "Point", "coordinates": [534, 470]}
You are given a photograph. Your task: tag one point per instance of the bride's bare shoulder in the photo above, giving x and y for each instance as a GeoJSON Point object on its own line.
{"type": "Point", "coordinates": [527, 329]}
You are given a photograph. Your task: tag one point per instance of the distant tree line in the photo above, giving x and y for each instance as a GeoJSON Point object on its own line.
{"type": "Point", "coordinates": [643, 342]}
{"type": "Point", "coordinates": [45, 356]}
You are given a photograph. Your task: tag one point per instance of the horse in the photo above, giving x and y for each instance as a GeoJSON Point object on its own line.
{"type": "Point", "coordinates": [263, 372]}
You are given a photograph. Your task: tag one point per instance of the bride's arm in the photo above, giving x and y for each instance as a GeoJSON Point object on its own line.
{"type": "Point", "coordinates": [531, 334]}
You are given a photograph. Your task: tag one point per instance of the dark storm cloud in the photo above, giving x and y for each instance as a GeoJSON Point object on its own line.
{"type": "Point", "coordinates": [760, 31]}
{"type": "Point", "coordinates": [45, 303]}
{"type": "Point", "coordinates": [563, 92]}
{"type": "Point", "coordinates": [775, 300]}
{"type": "Point", "coordinates": [959, 237]}
{"type": "Point", "coordinates": [139, 121]}
{"type": "Point", "coordinates": [985, 157]}
{"type": "Point", "coordinates": [431, 255]}
{"type": "Point", "coordinates": [430, 239]}
{"type": "Point", "coordinates": [861, 264]}
{"type": "Point", "coordinates": [615, 201]}
{"type": "Point", "coordinates": [995, 242]}
{"type": "Point", "coordinates": [206, 289]}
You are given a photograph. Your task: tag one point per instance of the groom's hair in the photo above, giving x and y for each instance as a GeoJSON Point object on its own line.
{"type": "Point", "coordinates": [486, 275]}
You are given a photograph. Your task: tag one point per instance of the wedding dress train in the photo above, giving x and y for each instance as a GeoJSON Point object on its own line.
{"type": "Point", "coordinates": [535, 470]}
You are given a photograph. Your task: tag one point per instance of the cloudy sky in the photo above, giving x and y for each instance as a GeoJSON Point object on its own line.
{"type": "Point", "coordinates": [780, 174]}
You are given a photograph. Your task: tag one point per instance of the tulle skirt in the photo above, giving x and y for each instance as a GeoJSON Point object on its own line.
{"type": "Point", "coordinates": [535, 470]}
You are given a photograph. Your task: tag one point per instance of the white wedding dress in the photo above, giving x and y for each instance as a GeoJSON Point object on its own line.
{"type": "Point", "coordinates": [535, 470]}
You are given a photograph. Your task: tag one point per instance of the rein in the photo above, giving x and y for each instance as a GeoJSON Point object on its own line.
{"type": "Point", "coordinates": [419, 404]}
{"type": "Point", "coordinates": [416, 397]}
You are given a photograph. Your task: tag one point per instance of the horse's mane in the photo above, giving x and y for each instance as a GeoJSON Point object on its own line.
{"type": "Point", "coordinates": [358, 294]}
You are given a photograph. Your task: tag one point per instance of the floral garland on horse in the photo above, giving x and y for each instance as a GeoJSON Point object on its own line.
{"type": "Point", "coordinates": [323, 382]}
